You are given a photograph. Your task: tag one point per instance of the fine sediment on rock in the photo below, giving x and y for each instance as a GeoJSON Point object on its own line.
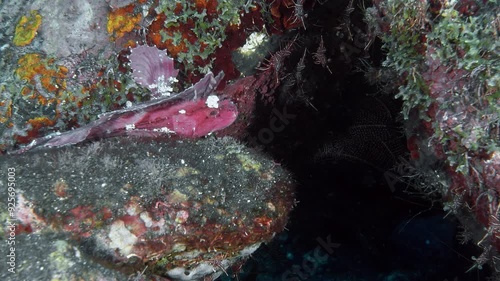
{"type": "Point", "coordinates": [121, 207]}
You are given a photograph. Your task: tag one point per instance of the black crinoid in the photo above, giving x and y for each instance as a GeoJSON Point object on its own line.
{"type": "Point", "coordinates": [374, 136]}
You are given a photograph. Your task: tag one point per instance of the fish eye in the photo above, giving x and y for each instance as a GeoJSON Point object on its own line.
{"type": "Point", "coordinates": [214, 112]}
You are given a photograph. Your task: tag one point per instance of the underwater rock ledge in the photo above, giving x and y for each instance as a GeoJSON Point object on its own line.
{"type": "Point", "coordinates": [133, 208]}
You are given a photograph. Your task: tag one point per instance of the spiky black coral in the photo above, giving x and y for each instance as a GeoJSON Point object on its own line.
{"type": "Point", "coordinates": [374, 138]}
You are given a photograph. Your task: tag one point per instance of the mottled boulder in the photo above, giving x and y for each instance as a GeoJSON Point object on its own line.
{"type": "Point", "coordinates": [142, 209]}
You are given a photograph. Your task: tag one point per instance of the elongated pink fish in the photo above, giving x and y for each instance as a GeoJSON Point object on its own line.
{"type": "Point", "coordinates": [192, 113]}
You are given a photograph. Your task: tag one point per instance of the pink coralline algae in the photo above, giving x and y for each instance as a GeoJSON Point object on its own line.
{"type": "Point", "coordinates": [153, 69]}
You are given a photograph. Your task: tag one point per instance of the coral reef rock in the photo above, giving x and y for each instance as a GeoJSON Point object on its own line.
{"type": "Point", "coordinates": [140, 208]}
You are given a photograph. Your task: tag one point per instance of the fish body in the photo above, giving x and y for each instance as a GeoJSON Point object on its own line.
{"type": "Point", "coordinates": [193, 113]}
